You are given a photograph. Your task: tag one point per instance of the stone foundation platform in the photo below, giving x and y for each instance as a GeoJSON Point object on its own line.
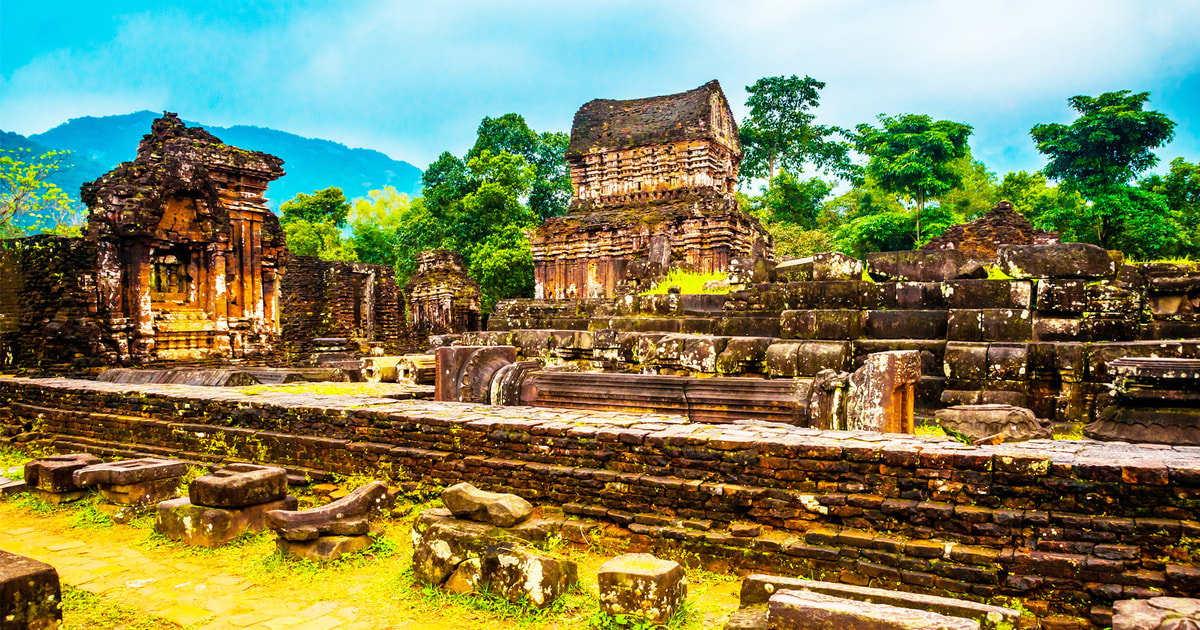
{"type": "Point", "coordinates": [1066, 527]}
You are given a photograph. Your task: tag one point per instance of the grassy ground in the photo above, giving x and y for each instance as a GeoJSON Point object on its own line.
{"type": "Point", "coordinates": [688, 283]}
{"type": "Point", "coordinates": [377, 580]}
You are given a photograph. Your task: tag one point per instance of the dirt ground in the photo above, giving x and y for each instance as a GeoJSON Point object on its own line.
{"type": "Point", "coordinates": [126, 576]}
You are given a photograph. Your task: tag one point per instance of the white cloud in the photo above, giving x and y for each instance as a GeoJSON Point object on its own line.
{"type": "Point", "coordinates": [414, 79]}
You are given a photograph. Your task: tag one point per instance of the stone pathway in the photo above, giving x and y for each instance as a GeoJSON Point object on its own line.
{"type": "Point", "coordinates": [174, 589]}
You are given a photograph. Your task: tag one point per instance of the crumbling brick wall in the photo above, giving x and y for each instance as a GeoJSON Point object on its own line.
{"type": "Point", "coordinates": [49, 304]}
{"type": "Point", "coordinates": [322, 298]}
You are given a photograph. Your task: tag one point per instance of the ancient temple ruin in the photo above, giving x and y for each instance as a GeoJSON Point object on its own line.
{"type": "Point", "coordinates": [981, 239]}
{"type": "Point", "coordinates": [442, 298]}
{"type": "Point", "coordinates": [354, 301]}
{"type": "Point", "coordinates": [181, 260]}
{"type": "Point", "coordinates": [654, 183]}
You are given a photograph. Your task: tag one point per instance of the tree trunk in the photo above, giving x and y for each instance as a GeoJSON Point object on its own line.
{"type": "Point", "coordinates": [920, 209]}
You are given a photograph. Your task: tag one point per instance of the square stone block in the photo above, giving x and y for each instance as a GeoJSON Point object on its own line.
{"type": "Point", "coordinates": [56, 472]}
{"type": "Point", "coordinates": [641, 585]}
{"type": "Point", "coordinates": [201, 526]}
{"type": "Point", "coordinates": [30, 595]}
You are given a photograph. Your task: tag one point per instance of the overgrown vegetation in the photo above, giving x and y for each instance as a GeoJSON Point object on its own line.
{"type": "Point", "coordinates": [690, 282]}
{"type": "Point", "coordinates": [87, 611]}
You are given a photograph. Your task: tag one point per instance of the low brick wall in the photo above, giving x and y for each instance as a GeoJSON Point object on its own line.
{"type": "Point", "coordinates": [1067, 527]}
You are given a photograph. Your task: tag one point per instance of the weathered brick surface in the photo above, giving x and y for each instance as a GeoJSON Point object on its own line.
{"type": "Point", "coordinates": [1063, 525]}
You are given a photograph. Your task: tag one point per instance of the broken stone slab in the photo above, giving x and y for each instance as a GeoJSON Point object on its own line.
{"type": "Point", "coordinates": [806, 610]}
{"type": "Point", "coordinates": [129, 472]}
{"type": "Point", "coordinates": [757, 590]}
{"type": "Point", "coordinates": [30, 594]}
{"type": "Point", "coordinates": [915, 265]}
{"type": "Point", "coordinates": [323, 549]}
{"type": "Point", "coordinates": [56, 472]}
{"type": "Point", "coordinates": [331, 518]}
{"type": "Point", "coordinates": [642, 585]}
{"type": "Point", "coordinates": [881, 395]}
{"type": "Point", "coordinates": [9, 487]}
{"type": "Point", "coordinates": [502, 510]}
{"type": "Point", "coordinates": [239, 485]}
{"type": "Point", "coordinates": [1013, 424]}
{"type": "Point", "coordinates": [1156, 613]}
{"type": "Point", "coordinates": [1059, 260]}
{"type": "Point", "coordinates": [203, 526]}
{"type": "Point", "coordinates": [520, 574]}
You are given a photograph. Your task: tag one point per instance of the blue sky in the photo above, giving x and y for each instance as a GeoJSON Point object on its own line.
{"type": "Point", "coordinates": [414, 79]}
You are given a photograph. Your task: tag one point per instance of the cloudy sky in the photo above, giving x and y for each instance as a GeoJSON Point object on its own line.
{"type": "Point", "coordinates": [414, 79]}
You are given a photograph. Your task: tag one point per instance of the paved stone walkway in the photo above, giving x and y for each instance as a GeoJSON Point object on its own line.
{"type": "Point", "coordinates": [173, 589]}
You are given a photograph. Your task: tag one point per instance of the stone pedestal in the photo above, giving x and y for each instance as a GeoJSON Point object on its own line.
{"type": "Point", "coordinates": [203, 526]}
{"type": "Point", "coordinates": [882, 392]}
{"type": "Point", "coordinates": [30, 596]}
{"type": "Point", "coordinates": [324, 548]}
{"type": "Point", "coordinates": [52, 478]}
{"type": "Point", "coordinates": [332, 530]}
{"type": "Point", "coordinates": [642, 585]}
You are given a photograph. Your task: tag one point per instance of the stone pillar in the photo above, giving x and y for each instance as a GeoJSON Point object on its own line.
{"type": "Point", "coordinates": [881, 392]}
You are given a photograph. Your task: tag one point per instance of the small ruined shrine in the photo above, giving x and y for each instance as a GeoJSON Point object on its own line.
{"type": "Point", "coordinates": [654, 183]}
{"type": "Point", "coordinates": [189, 256]}
{"type": "Point", "coordinates": [981, 239]}
{"type": "Point", "coordinates": [442, 297]}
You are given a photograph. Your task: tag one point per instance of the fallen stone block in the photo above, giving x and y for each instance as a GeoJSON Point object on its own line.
{"type": "Point", "coordinates": [915, 265]}
{"type": "Point", "coordinates": [30, 594]}
{"type": "Point", "coordinates": [129, 471]}
{"type": "Point", "coordinates": [347, 513]}
{"type": "Point", "coordinates": [1060, 295]}
{"type": "Point", "coordinates": [642, 585]}
{"type": "Point", "coordinates": [239, 485]}
{"type": "Point", "coordinates": [441, 543]}
{"type": "Point", "coordinates": [502, 510]}
{"type": "Point", "coordinates": [1059, 260]}
{"type": "Point", "coordinates": [9, 487]}
{"type": "Point", "coordinates": [805, 610]}
{"type": "Point", "coordinates": [56, 472]}
{"type": "Point", "coordinates": [758, 589]}
{"type": "Point", "coordinates": [521, 574]}
{"type": "Point", "coordinates": [1156, 613]}
{"type": "Point", "coordinates": [203, 526]}
{"type": "Point", "coordinates": [135, 482]}
{"type": "Point", "coordinates": [977, 422]}
{"type": "Point", "coordinates": [323, 549]}
{"type": "Point", "coordinates": [834, 266]}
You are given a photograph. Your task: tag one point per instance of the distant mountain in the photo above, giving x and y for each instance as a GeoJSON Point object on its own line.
{"type": "Point", "coordinates": [98, 144]}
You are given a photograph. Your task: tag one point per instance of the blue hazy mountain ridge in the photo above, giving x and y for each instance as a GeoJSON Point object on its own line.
{"type": "Point", "coordinates": [98, 144]}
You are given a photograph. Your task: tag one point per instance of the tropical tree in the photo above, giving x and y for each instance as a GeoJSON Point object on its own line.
{"type": "Point", "coordinates": [28, 201]}
{"type": "Point", "coordinates": [550, 192]}
{"type": "Point", "coordinates": [1097, 155]}
{"type": "Point", "coordinates": [1180, 188]}
{"type": "Point", "coordinates": [914, 155]}
{"type": "Point", "coordinates": [323, 206]}
{"type": "Point", "coordinates": [780, 132]}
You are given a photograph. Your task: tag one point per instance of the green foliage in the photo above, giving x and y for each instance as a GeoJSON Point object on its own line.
{"type": "Point", "coordinates": [1097, 156]}
{"type": "Point", "coordinates": [796, 202]}
{"type": "Point", "coordinates": [323, 206]}
{"type": "Point", "coordinates": [1180, 189]}
{"type": "Point", "coordinates": [976, 193]}
{"type": "Point", "coordinates": [779, 133]}
{"type": "Point", "coordinates": [322, 239]}
{"type": "Point", "coordinates": [914, 155]}
{"type": "Point", "coordinates": [482, 205]}
{"type": "Point", "coordinates": [685, 617]}
{"type": "Point", "coordinates": [1032, 196]}
{"type": "Point", "coordinates": [1108, 145]}
{"type": "Point", "coordinates": [389, 228]}
{"type": "Point", "coordinates": [688, 283]}
{"type": "Point", "coordinates": [550, 191]}
{"type": "Point", "coordinates": [29, 202]}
